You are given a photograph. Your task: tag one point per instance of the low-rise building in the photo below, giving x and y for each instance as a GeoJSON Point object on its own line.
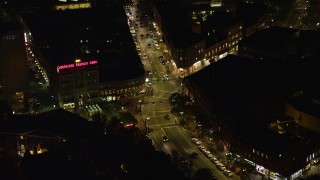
{"type": "Point", "coordinates": [87, 61]}
{"type": "Point", "coordinates": [246, 100]}
{"type": "Point", "coordinates": [281, 43]}
{"type": "Point", "coordinates": [199, 34]}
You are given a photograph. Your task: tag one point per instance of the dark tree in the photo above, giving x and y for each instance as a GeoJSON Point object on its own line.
{"type": "Point", "coordinates": [203, 174]}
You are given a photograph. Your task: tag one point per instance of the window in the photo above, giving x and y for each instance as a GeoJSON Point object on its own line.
{"type": "Point", "coordinates": [253, 150]}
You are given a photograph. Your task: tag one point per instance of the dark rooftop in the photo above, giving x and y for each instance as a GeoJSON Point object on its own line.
{"type": "Point", "coordinates": [285, 41]}
{"type": "Point", "coordinates": [251, 93]}
{"type": "Point", "coordinates": [6, 27]}
{"type": "Point", "coordinates": [58, 122]}
{"type": "Point", "coordinates": [222, 20]}
{"type": "Point", "coordinates": [218, 22]}
{"type": "Point", "coordinates": [177, 22]}
{"type": "Point", "coordinates": [100, 33]}
{"type": "Point", "coordinates": [183, 37]}
{"type": "Point", "coordinates": [250, 13]}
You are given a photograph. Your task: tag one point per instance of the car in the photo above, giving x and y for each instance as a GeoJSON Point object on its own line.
{"type": "Point", "coordinates": [216, 162]}
{"type": "Point", "coordinates": [213, 159]}
{"type": "Point", "coordinates": [161, 58]}
{"type": "Point", "coordinates": [141, 36]}
{"type": "Point", "coordinates": [166, 77]}
{"type": "Point", "coordinates": [167, 116]}
{"type": "Point", "coordinates": [149, 45]}
{"type": "Point", "coordinates": [194, 155]}
{"type": "Point", "coordinates": [221, 166]}
{"type": "Point", "coordinates": [165, 138]}
{"type": "Point", "coordinates": [145, 56]}
{"type": "Point", "coordinates": [202, 148]}
{"type": "Point", "coordinates": [227, 172]}
{"type": "Point", "coordinates": [194, 140]}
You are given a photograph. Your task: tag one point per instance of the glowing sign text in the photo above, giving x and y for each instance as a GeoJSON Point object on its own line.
{"type": "Point", "coordinates": [79, 64]}
{"type": "Point", "coordinates": [67, 66]}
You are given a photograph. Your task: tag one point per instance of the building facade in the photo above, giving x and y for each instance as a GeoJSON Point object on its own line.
{"type": "Point", "coordinates": [78, 84]}
{"type": "Point", "coordinates": [217, 40]}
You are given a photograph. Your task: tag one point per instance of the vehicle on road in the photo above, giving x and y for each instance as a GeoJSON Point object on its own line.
{"type": "Point", "coordinates": [165, 138]}
{"type": "Point", "coordinates": [145, 56]}
{"type": "Point", "coordinates": [167, 116]}
{"type": "Point", "coordinates": [166, 77]}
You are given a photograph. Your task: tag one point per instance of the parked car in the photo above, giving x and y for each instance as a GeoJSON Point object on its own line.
{"type": "Point", "coordinates": [221, 166]}
{"type": "Point", "coordinates": [227, 172]}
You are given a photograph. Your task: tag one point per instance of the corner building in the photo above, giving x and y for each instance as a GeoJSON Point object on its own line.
{"type": "Point", "coordinates": [87, 61]}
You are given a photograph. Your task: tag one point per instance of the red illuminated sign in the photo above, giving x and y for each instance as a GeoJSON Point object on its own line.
{"type": "Point", "coordinates": [79, 64]}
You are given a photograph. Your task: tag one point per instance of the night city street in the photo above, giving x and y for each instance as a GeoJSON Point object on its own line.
{"type": "Point", "coordinates": [159, 89]}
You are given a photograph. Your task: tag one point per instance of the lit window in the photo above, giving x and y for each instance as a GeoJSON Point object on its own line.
{"type": "Point", "coordinates": [253, 150]}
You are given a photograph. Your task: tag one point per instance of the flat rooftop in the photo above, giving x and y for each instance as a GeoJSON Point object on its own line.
{"type": "Point", "coordinates": [57, 122]}
{"type": "Point", "coordinates": [251, 93]}
{"type": "Point", "coordinates": [177, 22]}
{"type": "Point", "coordinates": [100, 33]}
{"type": "Point", "coordinates": [284, 41]}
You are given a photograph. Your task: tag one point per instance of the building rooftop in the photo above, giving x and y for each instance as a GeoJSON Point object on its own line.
{"type": "Point", "coordinates": [183, 37]}
{"type": "Point", "coordinates": [285, 41]}
{"type": "Point", "coordinates": [250, 13]}
{"type": "Point", "coordinates": [100, 33]}
{"type": "Point", "coordinates": [57, 122]}
{"type": "Point", "coordinates": [219, 22]}
{"type": "Point", "coordinates": [177, 23]}
{"type": "Point", "coordinates": [251, 93]}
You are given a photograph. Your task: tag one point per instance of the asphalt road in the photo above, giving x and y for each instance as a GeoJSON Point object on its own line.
{"type": "Point", "coordinates": [154, 107]}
